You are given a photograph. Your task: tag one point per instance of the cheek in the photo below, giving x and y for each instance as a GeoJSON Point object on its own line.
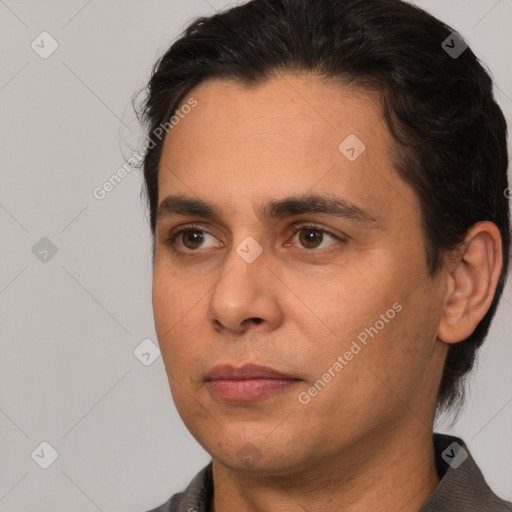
{"type": "Point", "coordinates": [164, 311]}
{"type": "Point", "coordinates": [172, 296]}
{"type": "Point", "coordinates": [176, 310]}
{"type": "Point", "coordinates": [383, 318]}
{"type": "Point", "coordinates": [401, 356]}
{"type": "Point", "coordinates": [169, 312]}
{"type": "Point", "coordinates": [350, 299]}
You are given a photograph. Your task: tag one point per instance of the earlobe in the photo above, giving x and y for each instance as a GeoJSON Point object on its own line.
{"type": "Point", "coordinates": [472, 282]}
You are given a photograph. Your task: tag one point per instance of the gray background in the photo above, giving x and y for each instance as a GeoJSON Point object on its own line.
{"type": "Point", "coordinates": [70, 323]}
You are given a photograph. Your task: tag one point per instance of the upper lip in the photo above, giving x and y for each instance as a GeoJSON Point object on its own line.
{"type": "Point", "coordinates": [248, 371]}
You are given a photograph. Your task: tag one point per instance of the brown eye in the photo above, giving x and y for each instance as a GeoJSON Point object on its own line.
{"type": "Point", "coordinates": [310, 237]}
{"type": "Point", "coordinates": [192, 239]}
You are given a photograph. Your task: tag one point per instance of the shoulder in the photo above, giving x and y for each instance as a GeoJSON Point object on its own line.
{"type": "Point", "coordinates": [462, 486]}
{"type": "Point", "coordinates": [195, 498]}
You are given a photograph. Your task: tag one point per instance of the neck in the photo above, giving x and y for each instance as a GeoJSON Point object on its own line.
{"type": "Point", "coordinates": [387, 473]}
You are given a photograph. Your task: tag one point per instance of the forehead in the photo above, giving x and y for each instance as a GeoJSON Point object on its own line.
{"type": "Point", "coordinates": [286, 136]}
{"type": "Point", "coordinates": [293, 106]}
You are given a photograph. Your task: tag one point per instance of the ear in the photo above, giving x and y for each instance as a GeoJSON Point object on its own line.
{"type": "Point", "coordinates": [472, 279]}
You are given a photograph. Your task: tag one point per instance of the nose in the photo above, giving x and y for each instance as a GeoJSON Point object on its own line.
{"type": "Point", "coordinates": [246, 296]}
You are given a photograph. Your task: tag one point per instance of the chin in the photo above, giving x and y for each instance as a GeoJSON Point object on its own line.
{"type": "Point", "coordinates": [253, 453]}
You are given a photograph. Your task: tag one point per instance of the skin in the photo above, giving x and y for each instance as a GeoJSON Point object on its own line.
{"type": "Point", "coordinates": [364, 442]}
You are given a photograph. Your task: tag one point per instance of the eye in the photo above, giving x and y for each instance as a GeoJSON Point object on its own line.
{"type": "Point", "coordinates": [192, 237]}
{"type": "Point", "coordinates": [312, 236]}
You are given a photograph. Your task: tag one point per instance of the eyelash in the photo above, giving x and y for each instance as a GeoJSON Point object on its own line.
{"type": "Point", "coordinates": [170, 240]}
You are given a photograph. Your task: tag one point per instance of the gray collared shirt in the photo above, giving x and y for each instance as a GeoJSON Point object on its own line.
{"type": "Point", "coordinates": [462, 487]}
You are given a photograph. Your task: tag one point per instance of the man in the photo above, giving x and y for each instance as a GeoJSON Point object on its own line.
{"type": "Point", "coordinates": [331, 232]}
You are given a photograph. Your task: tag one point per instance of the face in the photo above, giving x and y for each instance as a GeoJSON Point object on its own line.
{"type": "Point", "coordinates": [332, 292]}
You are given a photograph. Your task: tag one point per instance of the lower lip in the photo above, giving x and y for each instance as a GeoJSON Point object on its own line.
{"type": "Point", "coordinates": [242, 390]}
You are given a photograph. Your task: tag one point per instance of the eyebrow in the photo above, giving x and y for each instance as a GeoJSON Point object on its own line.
{"type": "Point", "coordinates": [274, 209]}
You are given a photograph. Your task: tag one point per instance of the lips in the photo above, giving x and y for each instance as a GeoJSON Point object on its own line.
{"type": "Point", "coordinates": [248, 383]}
{"type": "Point", "coordinates": [248, 371]}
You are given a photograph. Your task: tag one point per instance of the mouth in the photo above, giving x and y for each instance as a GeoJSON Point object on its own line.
{"type": "Point", "coordinates": [248, 383]}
